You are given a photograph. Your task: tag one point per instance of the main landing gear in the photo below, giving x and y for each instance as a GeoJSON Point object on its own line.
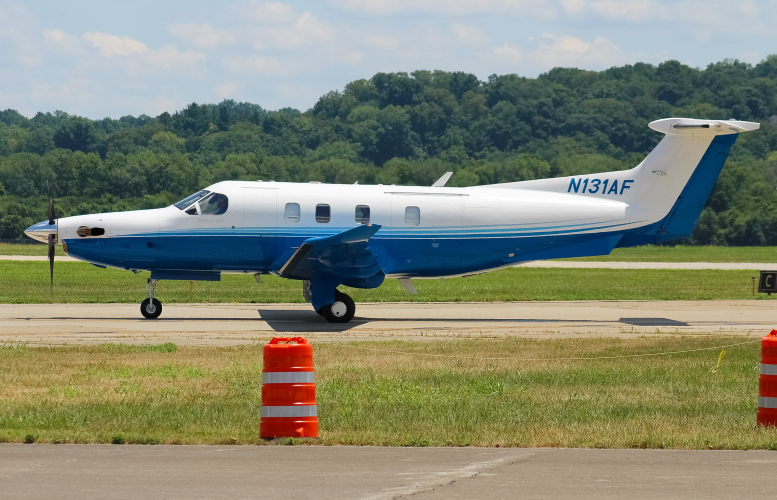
{"type": "Point", "coordinates": [151, 308]}
{"type": "Point", "coordinates": [341, 311]}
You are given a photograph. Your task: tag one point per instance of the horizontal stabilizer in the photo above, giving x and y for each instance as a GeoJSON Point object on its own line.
{"type": "Point", "coordinates": [699, 128]}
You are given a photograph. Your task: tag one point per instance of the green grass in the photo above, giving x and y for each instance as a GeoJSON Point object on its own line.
{"type": "Point", "coordinates": [651, 253]}
{"type": "Point", "coordinates": [512, 392]}
{"type": "Point", "coordinates": [28, 282]}
{"type": "Point", "coordinates": [39, 249]}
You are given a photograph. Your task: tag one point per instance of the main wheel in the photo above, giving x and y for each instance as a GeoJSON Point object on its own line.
{"type": "Point", "coordinates": [151, 308]}
{"type": "Point", "coordinates": [341, 311]}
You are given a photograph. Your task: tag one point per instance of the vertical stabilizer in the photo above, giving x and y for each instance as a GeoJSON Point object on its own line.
{"type": "Point", "coordinates": [669, 188]}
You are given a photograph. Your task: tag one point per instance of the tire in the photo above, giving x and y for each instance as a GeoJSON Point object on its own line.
{"type": "Point", "coordinates": [341, 311]}
{"type": "Point", "coordinates": [151, 309]}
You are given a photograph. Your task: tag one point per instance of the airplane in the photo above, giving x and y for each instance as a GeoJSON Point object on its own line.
{"type": "Point", "coordinates": [328, 235]}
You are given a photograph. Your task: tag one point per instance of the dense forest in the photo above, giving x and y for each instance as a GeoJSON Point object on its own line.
{"type": "Point", "coordinates": [399, 128]}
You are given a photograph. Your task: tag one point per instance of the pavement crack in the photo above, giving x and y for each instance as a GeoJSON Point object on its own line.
{"type": "Point", "coordinates": [445, 478]}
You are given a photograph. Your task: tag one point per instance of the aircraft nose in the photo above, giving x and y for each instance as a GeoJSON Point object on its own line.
{"type": "Point", "coordinates": [41, 231]}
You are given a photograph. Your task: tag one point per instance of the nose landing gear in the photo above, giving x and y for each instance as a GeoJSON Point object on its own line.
{"type": "Point", "coordinates": [151, 308]}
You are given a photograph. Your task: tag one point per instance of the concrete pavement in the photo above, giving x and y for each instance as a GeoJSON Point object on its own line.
{"type": "Point", "coordinates": [117, 472]}
{"type": "Point", "coordinates": [233, 324]}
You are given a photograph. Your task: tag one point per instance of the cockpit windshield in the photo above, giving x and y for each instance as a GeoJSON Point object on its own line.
{"type": "Point", "coordinates": [204, 203]}
{"type": "Point", "coordinates": [191, 199]}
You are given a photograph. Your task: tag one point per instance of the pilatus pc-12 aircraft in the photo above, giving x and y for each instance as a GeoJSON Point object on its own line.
{"type": "Point", "coordinates": [329, 235]}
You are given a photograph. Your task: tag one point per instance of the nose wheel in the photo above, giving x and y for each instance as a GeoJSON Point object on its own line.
{"type": "Point", "coordinates": [341, 311]}
{"type": "Point", "coordinates": [151, 308]}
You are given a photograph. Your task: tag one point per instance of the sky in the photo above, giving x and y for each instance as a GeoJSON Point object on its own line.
{"type": "Point", "coordinates": [99, 58]}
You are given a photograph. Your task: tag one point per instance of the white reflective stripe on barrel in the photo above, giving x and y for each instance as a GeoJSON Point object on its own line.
{"type": "Point", "coordinates": [764, 402]}
{"type": "Point", "coordinates": [768, 369]}
{"type": "Point", "coordinates": [288, 378]}
{"type": "Point", "coordinates": [290, 411]}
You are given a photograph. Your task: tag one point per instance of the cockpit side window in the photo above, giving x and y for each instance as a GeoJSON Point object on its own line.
{"type": "Point", "coordinates": [215, 204]}
{"type": "Point", "coordinates": [186, 202]}
{"type": "Point", "coordinates": [204, 203]}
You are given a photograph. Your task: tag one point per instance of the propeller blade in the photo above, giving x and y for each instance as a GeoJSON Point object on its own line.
{"type": "Point", "coordinates": [50, 211]}
{"type": "Point", "coordinates": [51, 259]}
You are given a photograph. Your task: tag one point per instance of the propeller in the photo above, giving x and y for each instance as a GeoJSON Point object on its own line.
{"type": "Point", "coordinates": [50, 212]}
{"type": "Point", "coordinates": [52, 221]}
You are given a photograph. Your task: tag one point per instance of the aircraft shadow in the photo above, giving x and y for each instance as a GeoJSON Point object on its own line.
{"type": "Point", "coordinates": [282, 320]}
{"type": "Point", "coordinates": [653, 322]}
{"type": "Point", "coordinates": [309, 321]}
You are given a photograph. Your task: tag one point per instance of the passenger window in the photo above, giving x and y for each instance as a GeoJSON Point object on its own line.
{"type": "Point", "coordinates": [362, 214]}
{"type": "Point", "coordinates": [322, 213]}
{"type": "Point", "coordinates": [291, 214]}
{"type": "Point", "coordinates": [412, 216]}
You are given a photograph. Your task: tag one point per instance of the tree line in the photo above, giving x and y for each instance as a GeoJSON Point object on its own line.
{"type": "Point", "coordinates": [405, 129]}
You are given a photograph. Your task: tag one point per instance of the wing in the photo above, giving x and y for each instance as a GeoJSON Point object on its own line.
{"type": "Point", "coordinates": [345, 255]}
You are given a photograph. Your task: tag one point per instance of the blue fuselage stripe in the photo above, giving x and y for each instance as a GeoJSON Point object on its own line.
{"type": "Point", "coordinates": [424, 253]}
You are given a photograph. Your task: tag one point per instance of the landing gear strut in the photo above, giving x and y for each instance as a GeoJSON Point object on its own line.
{"type": "Point", "coordinates": [151, 308]}
{"type": "Point", "coordinates": [341, 311]}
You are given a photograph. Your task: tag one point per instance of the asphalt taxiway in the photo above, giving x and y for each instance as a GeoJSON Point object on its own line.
{"type": "Point", "coordinates": [232, 324]}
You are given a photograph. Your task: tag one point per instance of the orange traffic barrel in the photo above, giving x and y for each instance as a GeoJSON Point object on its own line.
{"type": "Point", "coordinates": [767, 383]}
{"type": "Point", "coordinates": [288, 390]}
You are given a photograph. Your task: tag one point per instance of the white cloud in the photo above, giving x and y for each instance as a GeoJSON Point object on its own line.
{"type": "Point", "coordinates": [574, 7]}
{"type": "Point", "coordinates": [308, 29]}
{"type": "Point", "coordinates": [690, 12]}
{"type": "Point", "coordinates": [469, 34]}
{"type": "Point", "coordinates": [138, 60]}
{"type": "Point", "coordinates": [226, 90]}
{"type": "Point", "coordinates": [571, 51]}
{"type": "Point", "coordinates": [630, 10]}
{"type": "Point", "coordinates": [748, 7]}
{"type": "Point", "coordinates": [509, 53]}
{"type": "Point", "coordinates": [303, 31]}
{"type": "Point", "coordinates": [381, 42]}
{"type": "Point", "coordinates": [351, 58]}
{"type": "Point", "coordinates": [254, 65]}
{"type": "Point", "coordinates": [202, 35]}
{"type": "Point", "coordinates": [111, 45]}
{"type": "Point", "coordinates": [170, 59]}
{"type": "Point", "coordinates": [159, 105]}
{"type": "Point", "coordinates": [78, 90]}
{"type": "Point", "coordinates": [270, 12]}
{"type": "Point", "coordinates": [538, 8]}
{"type": "Point", "coordinates": [16, 26]}
{"type": "Point", "coordinates": [64, 43]}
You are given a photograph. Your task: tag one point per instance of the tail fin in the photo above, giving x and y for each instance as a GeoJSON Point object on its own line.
{"type": "Point", "coordinates": [669, 188]}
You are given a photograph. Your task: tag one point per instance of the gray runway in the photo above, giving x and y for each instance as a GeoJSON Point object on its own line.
{"type": "Point", "coordinates": [231, 324]}
{"type": "Point", "coordinates": [109, 471]}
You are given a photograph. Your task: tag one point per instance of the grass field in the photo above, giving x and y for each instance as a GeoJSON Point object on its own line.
{"type": "Point", "coordinates": [478, 392]}
{"type": "Point", "coordinates": [39, 249]}
{"type": "Point", "coordinates": [647, 253]}
{"type": "Point", "coordinates": [651, 253]}
{"type": "Point", "coordinates": [28, 282]}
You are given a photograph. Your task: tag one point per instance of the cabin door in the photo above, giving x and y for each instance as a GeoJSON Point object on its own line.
{"type": "Point", "coordinates": [259, 206]}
